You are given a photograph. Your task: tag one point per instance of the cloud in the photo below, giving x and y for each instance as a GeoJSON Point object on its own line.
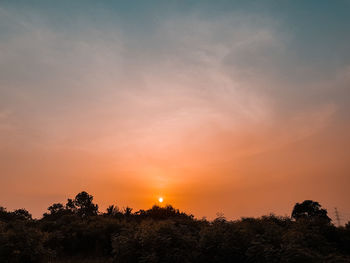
{"type": "Point", "coordinates": [170, 97]}
{"type": "Point", "coordinates": [192, 71]}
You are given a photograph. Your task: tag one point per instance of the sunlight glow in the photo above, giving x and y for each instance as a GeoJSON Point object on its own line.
{"type": "Point", "coordinates": [160, 199]}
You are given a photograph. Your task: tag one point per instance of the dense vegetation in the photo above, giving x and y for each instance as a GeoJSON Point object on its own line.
{"type": "Point", "coordinates": [77, 232]}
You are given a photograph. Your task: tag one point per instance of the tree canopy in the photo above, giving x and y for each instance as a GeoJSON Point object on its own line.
{"type": "Point", "coordinates": [78, 232]}
{"type": "Point", "coordinates": [310, 210]}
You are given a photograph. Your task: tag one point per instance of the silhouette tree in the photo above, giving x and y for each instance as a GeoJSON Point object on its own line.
{"type": "Point", "coordinates": [70, 205]}
{"type": "Point", "coordinates": [309, 210]}
{"type": "Point", "coordinates": [127, 211]}
{"type": "Point", "coordinates": [85, 206]}
{"type": "Point", "coordinates": [113, 210]}
{"type": "Point", "coordinates": [22, 214]}
{"type": "Point", "coordinates": [56, 208]}
{"type": "Point", "coordinates": [5, 215]}
{"type": "Point", "coordinates": [162, 213]}
{"type": "Point", "coordinates": [19, 214]}
{"type": "Point", "coordinates": [165, 234]}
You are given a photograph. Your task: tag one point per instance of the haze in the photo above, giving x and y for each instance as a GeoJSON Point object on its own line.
{"type": "Point", "coordinates": [237, 107]}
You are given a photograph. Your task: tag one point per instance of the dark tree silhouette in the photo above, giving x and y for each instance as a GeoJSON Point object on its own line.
{"type": "Point", "coordinates": [19, 214]}
{"type": "Point", "coordinates": [56, 208]}
{"type": "Point", "coordinates": [161, 213]}
{"type": "Point", "coordinates": [85, 206]}
{"type": "Point", "coordinates": [22, 214]}
{"type": "Point", "coordinates": [76, 232]}
{"type": "Point", "coordinates": [113, 210]}
{"type": "Point", "coordinates": [70, 205]}
{"type": "Point", "coordinates": [309, 210]}
{"type": "Point", "coordinates": [127, 211]}
{"type": "Point", "coordinates": [5, 215]}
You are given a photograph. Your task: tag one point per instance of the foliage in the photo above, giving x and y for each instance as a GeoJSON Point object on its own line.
{"type": "Point", "coordinates": [77, 232]}
{"type": "Point", "coordinates": [310, 210]}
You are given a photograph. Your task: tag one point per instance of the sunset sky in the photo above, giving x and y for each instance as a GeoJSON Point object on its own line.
{"type": "Point", "coordinates": [237, 107]}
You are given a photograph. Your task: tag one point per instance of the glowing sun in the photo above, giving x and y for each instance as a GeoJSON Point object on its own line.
{"type": "Point", "coordinates": [160, 199]}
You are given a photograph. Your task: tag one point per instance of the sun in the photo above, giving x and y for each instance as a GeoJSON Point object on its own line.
{"type": "Point", "coordinates": [160, 199]}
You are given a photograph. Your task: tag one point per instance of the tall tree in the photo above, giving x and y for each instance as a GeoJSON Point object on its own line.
{"type": "Point", "coordinates": [309, 210]}
{"type": "Point", "coordinates": [85, 206]}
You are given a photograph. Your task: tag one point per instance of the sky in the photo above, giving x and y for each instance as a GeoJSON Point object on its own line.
{"type": "Point", "coordinates": [233, 107]}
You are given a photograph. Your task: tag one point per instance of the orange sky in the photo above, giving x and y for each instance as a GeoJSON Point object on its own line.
{"type": "Point", "coordinates": [205, 174]}
{"type": "Point", "coordinates": [234, 109]}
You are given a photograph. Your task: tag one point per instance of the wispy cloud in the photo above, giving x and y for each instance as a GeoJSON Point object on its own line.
{"type": "Point", "coordinates": [169, 93]}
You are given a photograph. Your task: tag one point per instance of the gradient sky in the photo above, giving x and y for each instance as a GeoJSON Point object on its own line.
{"type": "Point", "coordinates": [239, 107]}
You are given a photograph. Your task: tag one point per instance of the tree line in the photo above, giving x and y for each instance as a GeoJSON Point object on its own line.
{"type": "Point", "coordinates": [78, 232]}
